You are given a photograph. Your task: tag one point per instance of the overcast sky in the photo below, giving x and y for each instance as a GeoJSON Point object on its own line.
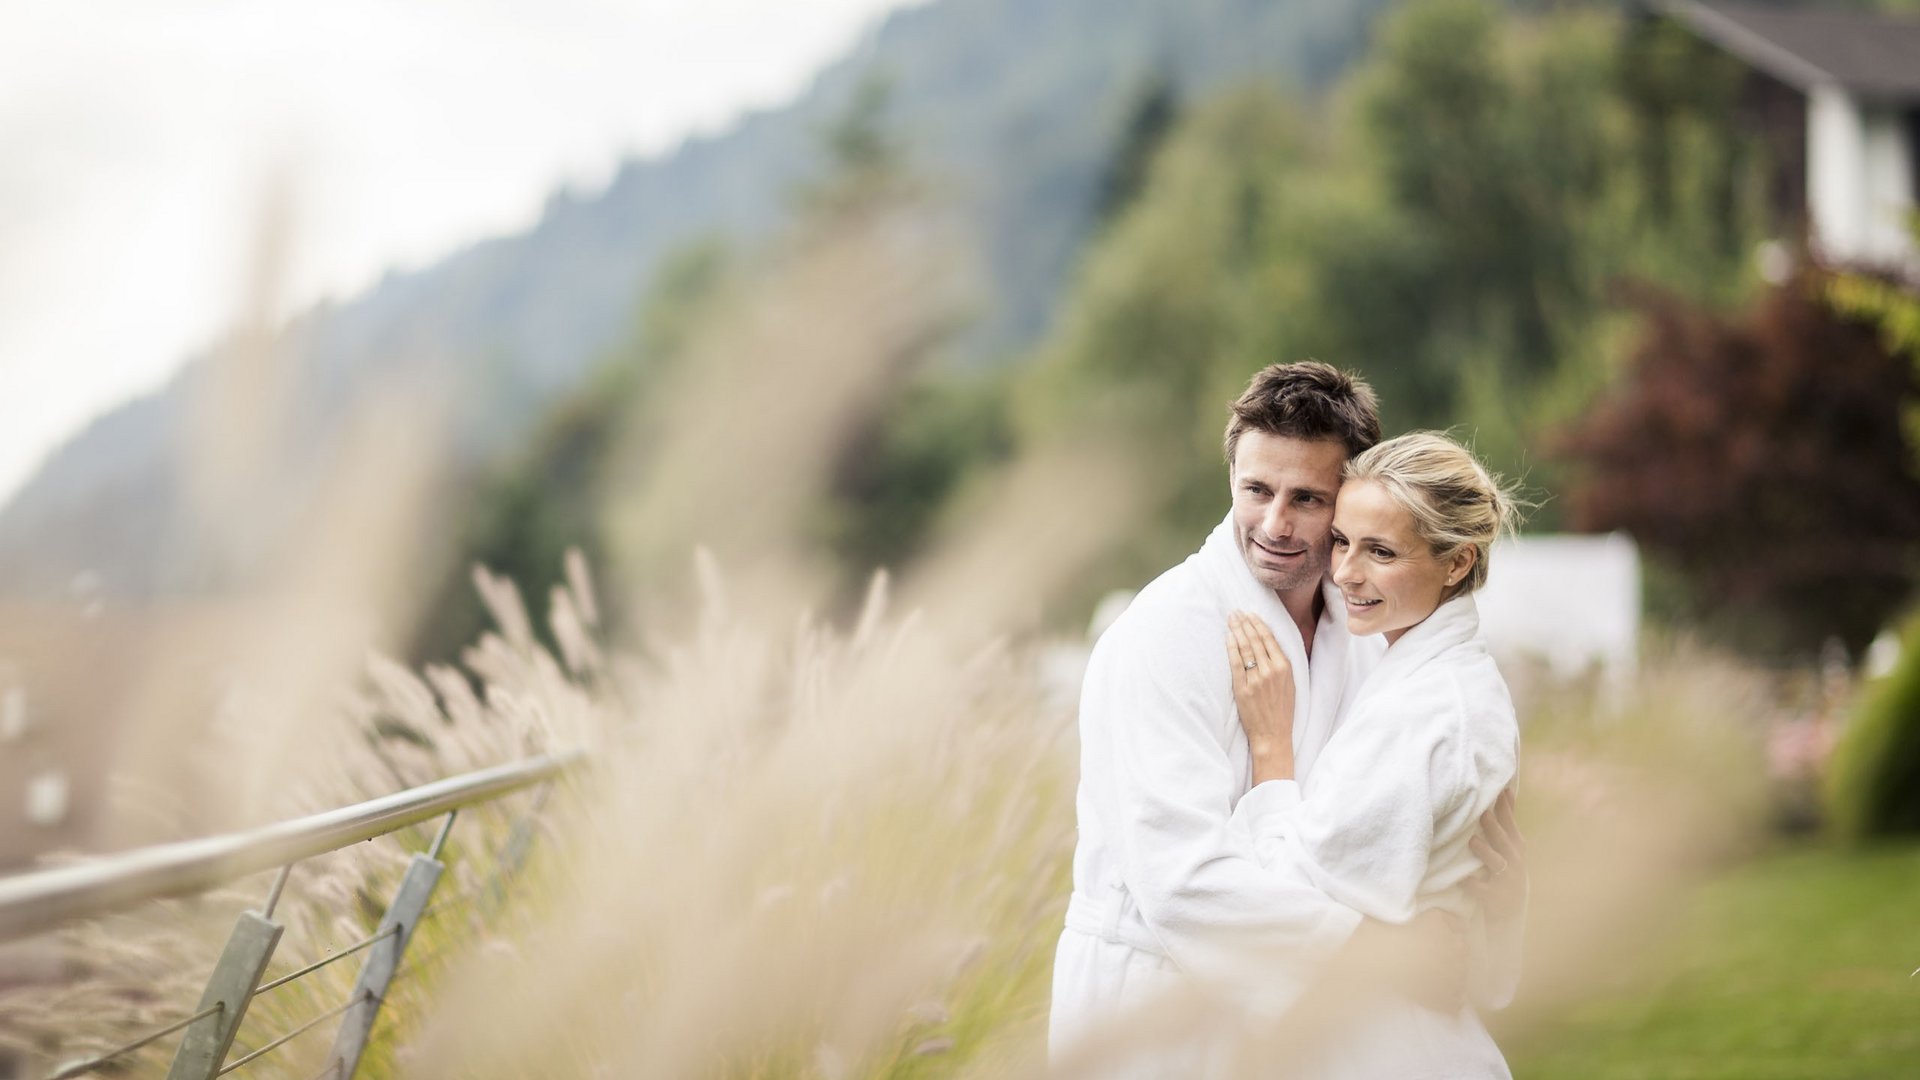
{"type": "Point", "coordinates": [136, 138]}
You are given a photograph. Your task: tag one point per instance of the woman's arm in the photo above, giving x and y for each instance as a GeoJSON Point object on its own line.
{"type": "Point", "coordinates": [1432, 957]}
{"type": "Point", "coordinates": [1263, 693]}
{"type": "Point", "coordinates": [1271, 813]}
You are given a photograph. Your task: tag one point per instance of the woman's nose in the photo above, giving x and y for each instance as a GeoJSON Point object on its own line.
{"type": "Point", "coordinates": [1345, 570]}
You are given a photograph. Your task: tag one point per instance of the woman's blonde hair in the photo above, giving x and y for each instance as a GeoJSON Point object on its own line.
{"type": "Point", "coordinates": [1453, 500]}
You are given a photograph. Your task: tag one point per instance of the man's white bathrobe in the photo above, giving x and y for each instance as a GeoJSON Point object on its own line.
{"type": "Point", "coordinates": [1167, 885]}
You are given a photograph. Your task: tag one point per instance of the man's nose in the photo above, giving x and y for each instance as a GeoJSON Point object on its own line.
{"type": "Point", "coordinates": [1278, 523]}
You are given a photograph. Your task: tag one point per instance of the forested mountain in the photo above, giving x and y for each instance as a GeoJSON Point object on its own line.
{"type": "Point", "coordinates": [1014, 110]}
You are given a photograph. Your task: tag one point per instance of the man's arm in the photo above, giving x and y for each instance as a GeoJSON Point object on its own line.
{"type": "Point", "coordinates": [1501, 890]}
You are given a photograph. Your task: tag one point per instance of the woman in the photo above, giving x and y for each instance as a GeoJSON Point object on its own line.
{"type": "Point", "coordinates": [1427, 746]}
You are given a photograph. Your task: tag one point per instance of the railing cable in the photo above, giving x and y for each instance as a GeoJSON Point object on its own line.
{"type": "Point", "coordinates": [295, 1033]}
{"type": "Point", "coordinates": [325, 960]}
{"type": "Point", "coordinates": [78, 1068]}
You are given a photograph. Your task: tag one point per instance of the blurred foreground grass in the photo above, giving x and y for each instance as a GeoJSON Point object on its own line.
{"type": "Point", "coordinates": [1795, 965]}
{"type": "Point", "coordinates": [837, 848]}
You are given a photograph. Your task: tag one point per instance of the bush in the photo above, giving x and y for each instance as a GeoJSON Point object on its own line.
{"type": "Point", "coordinates": [1873, 788]}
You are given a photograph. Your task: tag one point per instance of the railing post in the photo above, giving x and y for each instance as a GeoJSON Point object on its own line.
{"type": "Point", "coordinates": [376, 973]}
{"type": "Point", "coordinates": [205, 1045]}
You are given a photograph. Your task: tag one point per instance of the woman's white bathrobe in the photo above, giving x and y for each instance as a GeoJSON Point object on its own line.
{"type": "Point", "coordinates": [1383, 823]}
{"type": "Point", "coordinates": [1163, 886]}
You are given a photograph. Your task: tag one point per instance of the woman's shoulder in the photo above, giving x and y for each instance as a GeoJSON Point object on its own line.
{"type": "Point", "coordinates": [1456, 701]}
{"type": "Point", "coordinates": [1483, 739]}
{"type": "Point", "coordinates": [1467, 675]}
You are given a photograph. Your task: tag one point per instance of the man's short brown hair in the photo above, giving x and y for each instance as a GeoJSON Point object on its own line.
{"type": "Point", "coordinates": [1307, 400]}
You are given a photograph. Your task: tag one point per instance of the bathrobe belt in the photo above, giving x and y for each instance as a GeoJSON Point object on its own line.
{"type": "Point", "coordinates": [1105, 918]}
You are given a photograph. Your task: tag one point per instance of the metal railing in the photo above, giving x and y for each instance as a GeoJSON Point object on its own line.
{"type": "Point", "coordinates": [36, 902]}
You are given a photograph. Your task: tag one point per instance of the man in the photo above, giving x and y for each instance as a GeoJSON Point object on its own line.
{"type": "Point", "coordinates": [1165, 892]}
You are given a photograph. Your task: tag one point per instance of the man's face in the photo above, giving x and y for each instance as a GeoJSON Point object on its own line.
{"type": "Point", "coordinates": [1283, 492]}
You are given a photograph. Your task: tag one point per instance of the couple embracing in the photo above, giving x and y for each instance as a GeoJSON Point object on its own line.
{"type": "Point", "coordinates": [1297, 753]}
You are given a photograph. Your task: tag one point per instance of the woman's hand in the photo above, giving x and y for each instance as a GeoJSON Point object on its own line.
{"type": "Point", "coordinates": [1263, 690]}
{"type": "Point", "coordinates": [1501, 886]}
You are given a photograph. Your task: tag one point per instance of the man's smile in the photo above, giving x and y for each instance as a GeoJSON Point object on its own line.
{"type": "Point", "coordinates": [1276, 553]}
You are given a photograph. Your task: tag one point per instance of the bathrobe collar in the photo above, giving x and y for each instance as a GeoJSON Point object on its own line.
{"type": "Point", "coordinates": [1320, 681]}
{"type": "Point", "coordinates": [1224, 562]}
{"type": "Point", "coordinates": [1455, 622]}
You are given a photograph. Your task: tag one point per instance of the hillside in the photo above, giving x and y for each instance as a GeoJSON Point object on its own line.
{"type": "Point", "coordinates": [1013, 109]}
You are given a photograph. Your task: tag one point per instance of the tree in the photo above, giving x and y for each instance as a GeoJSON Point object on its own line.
{"type": "Point", "coordinates": [1893, 306]}
{"type": "Point", "coordinates": [897, 471]}
{"type": "Point", "coordinates": [1155, 111]}
{"type": "Point", "coordinates": [1167, 321]}
{"type": "Point", "coordinates": [1764, 457]}
{"type": "Point", "coordinates": [864, 161]}
{"type": "Point", "coordinates": [527, 509]}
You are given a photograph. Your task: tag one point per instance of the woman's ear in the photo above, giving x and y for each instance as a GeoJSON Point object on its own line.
{"type": "Point", "coordinates": [1460, 563]}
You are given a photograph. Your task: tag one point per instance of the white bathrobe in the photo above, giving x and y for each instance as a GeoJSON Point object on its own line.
{"type": "Point", "coordinates": [1382, 825]}
{"type": "Point", "coordinates": [1163, 885]}
{"type": "Point", "coordinates": [1166, 884]}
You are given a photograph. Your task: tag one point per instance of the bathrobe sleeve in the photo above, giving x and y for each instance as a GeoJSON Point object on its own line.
{"type": "Point", "coordinates": [1391, 806]}
{"type": "Point", "coordinates": [1368, 840]}
{"type": "Point", "coordinates": [1166, 710]}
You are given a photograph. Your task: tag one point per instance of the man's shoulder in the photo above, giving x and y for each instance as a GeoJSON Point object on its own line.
{"type": "Point", "coordinates": [1170, 607]}
{"type": "Point", "coordinates": [1167, 646]}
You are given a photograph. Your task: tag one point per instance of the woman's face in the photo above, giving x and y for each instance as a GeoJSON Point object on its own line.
{"type": "Point", "coordinates": [1389, 576]}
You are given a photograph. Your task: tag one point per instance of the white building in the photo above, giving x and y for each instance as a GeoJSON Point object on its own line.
{"type": "Point", "coordinates": [1566, 604]}
{"type": "Point", "coordinates": [1851, 100]}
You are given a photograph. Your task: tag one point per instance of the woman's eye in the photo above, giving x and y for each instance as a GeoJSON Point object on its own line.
{"type": "Point", "coordinates": [1339, 541]}
{"type": "Point", "coordinates": [1382, 553]}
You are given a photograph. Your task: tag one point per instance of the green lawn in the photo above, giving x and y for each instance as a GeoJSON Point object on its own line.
{"type": "Point", "coordinates": [1795, 965]}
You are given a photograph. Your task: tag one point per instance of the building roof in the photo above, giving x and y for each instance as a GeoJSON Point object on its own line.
{"type": "Point", "coordinates": [1871, 55]}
